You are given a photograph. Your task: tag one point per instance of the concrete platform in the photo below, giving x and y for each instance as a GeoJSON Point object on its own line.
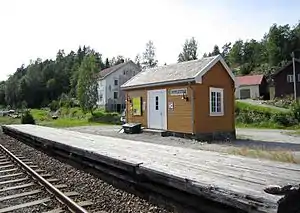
{"type": "Point", "coordinates": [234, 181]}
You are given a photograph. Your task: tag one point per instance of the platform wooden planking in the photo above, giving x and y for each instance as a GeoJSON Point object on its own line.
{"type": "Point", "coordinates": [204, 168]}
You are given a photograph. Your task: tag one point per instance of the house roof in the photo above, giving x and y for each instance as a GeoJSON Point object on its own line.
{"type": "Point", "coordinates": [284, 67]}
{"type": "Point", "coordinates": [104, 73]}
{"type": "Point", "coordinates": [189, 71]}
{"type": "Point", "coordinates": [249, 80]}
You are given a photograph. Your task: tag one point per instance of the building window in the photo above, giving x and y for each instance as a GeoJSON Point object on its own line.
{"type": "Point", "coordinates": [116, 82]}
{"type": "Point", "coordinates": [290, 78]}
{"type": "Point", "coordinates": [101, 97]}
{"type": "Point", "coordinates": [115, 95]}
{"type": "Point", "coordinates": [216, 103]}
{"type": "Point", "coordinates": [156, 102]}
{"type": "Point", "coordinates": [298, 77]}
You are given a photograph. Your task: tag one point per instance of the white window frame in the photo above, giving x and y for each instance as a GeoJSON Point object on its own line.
{"type": "Point", "coordinates": [216, 90]}
{"type": "Point", "coordinates": [290, 78]}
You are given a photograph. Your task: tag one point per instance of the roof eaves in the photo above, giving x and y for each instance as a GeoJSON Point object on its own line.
{"type": "Point", "coordinates": [217, 58]}
{"type": "Point", "coordinates": [123, 64]}
{"type": "Point", "coordinates": [165, 83]}
{"type": "Point", "coordinates": [282, 68]}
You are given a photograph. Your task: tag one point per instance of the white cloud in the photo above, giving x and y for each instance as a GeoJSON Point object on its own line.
{"type": "Point", "coordinates": [33, 28]}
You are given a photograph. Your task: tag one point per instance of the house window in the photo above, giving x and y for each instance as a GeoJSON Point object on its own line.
{"type": "Point", "coordinates": [216, 102]}
{"type": "Point", "coordinates": [101, 97]}
{"type": "Point", "coordinates": [116, 82]}
{"type": "Point", "coordinates": [290, 78]}
{"type": "Point", "coordinates": [115, 95]}
{"type": "Point", "coordinates": [156, 102]}
{"type": "Point", "coordinates": [298, 77]}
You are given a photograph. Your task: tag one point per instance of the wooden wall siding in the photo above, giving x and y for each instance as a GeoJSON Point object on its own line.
{"type": "Point", "coordinates": [204, 123]}
{"type": "Point", "coordinates": [133, 118]}
{"type": "Point", "coordinates": [179, 119]}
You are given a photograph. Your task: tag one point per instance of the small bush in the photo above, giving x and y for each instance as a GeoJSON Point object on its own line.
{"type": "Point", "coordinates": [295, 109]}
{"type": "Point", "coordinates": [27, 118]}
{"type": "Point", "coordinates": [263, 116]}
{"type": "Point", "coordinates": [105, 117]}
{"type": "Point", "coordinates": [54, 105]}
{"type": "Point", "coordinates": [284, 102]}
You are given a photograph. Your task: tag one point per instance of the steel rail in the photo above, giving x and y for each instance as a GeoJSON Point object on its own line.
{"type": "Point", "coordinates": [71, 205]}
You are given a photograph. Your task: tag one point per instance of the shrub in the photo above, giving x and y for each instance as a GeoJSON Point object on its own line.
{"type": "Point", "coordinates": [105, 117]}
{"type": "Point", "coordinates": [54, 105]}
{"type": "Point", "coordinates": [263, 116]}
{"type": "Point", "coordinates": [284, 102]}
{"type": "Point", "coordinates": [27, 118]}
{"type": "Point", "coordinates": [40, 114]}
{"type": "Point", "coordinates": [295, 109]}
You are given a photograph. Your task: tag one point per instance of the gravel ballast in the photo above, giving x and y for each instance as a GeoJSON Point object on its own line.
{"type": "Point", "coordinates": [104, 196]}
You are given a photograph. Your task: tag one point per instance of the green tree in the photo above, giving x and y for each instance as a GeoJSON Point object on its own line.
{"type": "Point", "coordinates": [149, 56]}
{"type": "Point", "coordinates": [216, 51]}
{"type": "Point", "coordinates": [87, 90]}
{"type": "Point", "coordinates": [137, 60]}
{"type": "Point", "coordinates": [225, 51]}
{"type": "Point", "coordinates": [107, 64]}
{"type": "Point", "coordinates": [235, 55]}
{"type": "Point", "coordinates": [2, 93]}
{"type": "Point", "coordinates": [189, 51]}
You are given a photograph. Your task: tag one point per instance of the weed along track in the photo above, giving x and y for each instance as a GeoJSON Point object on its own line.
{"type": "Point", "coordinates": [26, 188]}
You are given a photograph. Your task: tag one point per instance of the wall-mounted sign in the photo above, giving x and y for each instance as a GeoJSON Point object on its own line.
{"type": "Point", "coordinates": [171, 105]}
{"type": "Point", "coordinates": [137, 105]}
{"type": "Point", "coordinates": [180, 91]}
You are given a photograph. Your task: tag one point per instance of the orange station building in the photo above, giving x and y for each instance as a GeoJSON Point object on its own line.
{"type": "Point", "coordinates": [188, 99]}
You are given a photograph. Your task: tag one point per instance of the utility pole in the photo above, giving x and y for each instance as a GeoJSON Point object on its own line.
{"type": "Point", "coordinates": [294, 75]}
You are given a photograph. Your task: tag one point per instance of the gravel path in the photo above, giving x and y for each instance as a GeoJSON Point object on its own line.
{"type": "Point", "coordinates": [104, 196]}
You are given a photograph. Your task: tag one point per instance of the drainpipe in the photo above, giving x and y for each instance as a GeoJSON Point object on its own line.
{"type": "Point", "coordinates": [193, 107]}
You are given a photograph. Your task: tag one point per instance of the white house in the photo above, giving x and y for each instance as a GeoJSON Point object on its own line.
{"type": "Point", "coordinates": [251, 87]}
{"type": "Point", "coordinates": [110, 96]}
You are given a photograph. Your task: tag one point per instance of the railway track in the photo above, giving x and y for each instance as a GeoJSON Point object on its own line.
{"type": "Point", "coordinates": [26, 188]}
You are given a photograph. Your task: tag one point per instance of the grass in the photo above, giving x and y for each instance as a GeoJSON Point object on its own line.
{"type": "Point", "coordinates": [69, 122]}
{"type": "Point", "coordinates": [8, 120]}
{"type": "Point", "coordinates": [68, 118]}
{"type": "Point", "coordinates": [281, 156]}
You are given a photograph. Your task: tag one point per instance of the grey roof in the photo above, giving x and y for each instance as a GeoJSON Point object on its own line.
{"type": "Point", "coordinates": [103, 73]}
{"type": "Point", "coordinates": [170, 73]}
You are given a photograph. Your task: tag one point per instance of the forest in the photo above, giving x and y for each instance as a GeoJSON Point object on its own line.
{"type": "Point", "coordinates": [43, 81]}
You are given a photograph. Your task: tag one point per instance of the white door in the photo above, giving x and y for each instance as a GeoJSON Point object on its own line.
{"type": "Point", "coordinates": [157, 106]}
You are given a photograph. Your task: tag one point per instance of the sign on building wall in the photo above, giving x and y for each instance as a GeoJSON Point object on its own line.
{"type": "Point", "coordinates": [137, 105]}
{"type": "Point", "coordinates": [180, 91]}
{"type": "Point", "coordinates": [171, 105]}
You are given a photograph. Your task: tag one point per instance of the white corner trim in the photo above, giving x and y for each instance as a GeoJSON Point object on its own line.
{"type": "Point", "coordinates": [166, 109]}
{"type": "Point", "coordinates": [220, 90]}
{"type": "Point", "coordinates": [148, 108]}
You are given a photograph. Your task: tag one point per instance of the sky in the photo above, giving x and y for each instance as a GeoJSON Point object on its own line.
{"type": "Point", "coordinates": [34, 29]}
